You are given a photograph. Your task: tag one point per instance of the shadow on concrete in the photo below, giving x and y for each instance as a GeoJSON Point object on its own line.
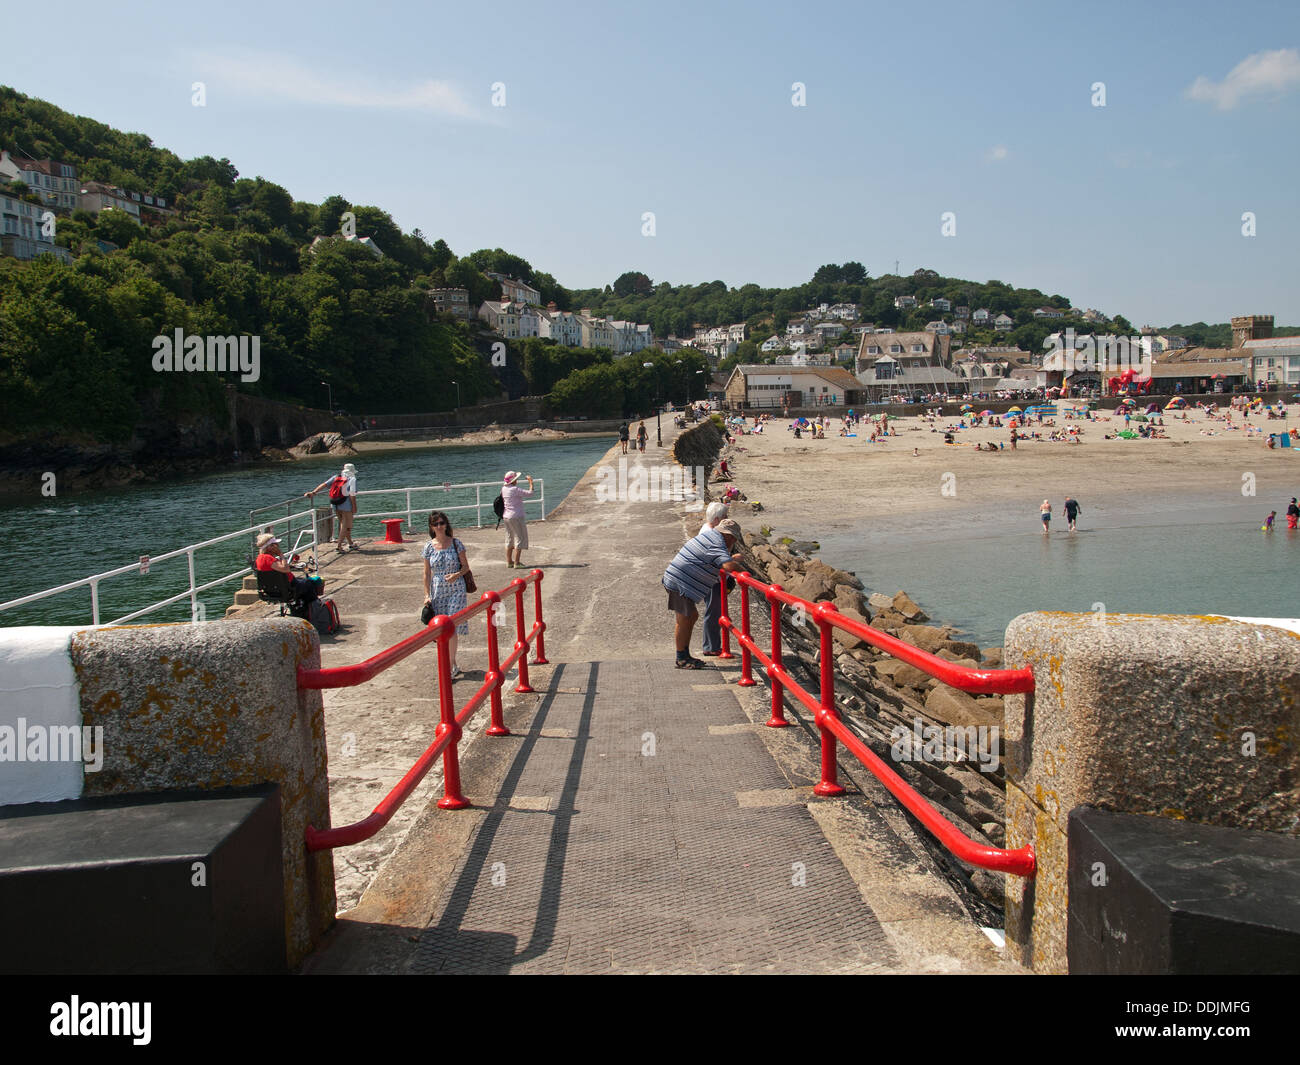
{"type": "Point", "coordinates": [449, 946]}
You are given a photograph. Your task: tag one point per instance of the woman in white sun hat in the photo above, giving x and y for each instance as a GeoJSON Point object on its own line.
{"type": "Point", "coordinates": [513, 517]}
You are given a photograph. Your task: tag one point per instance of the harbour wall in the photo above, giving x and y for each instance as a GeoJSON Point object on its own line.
{"type": "Point", "coordinates": [179, 708]}
{"type": "Point", "coordinates": [1187, 718]}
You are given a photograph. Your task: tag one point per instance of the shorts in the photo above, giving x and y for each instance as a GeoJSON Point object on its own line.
{"type": "Point", "coordinates": [517, 531]}
{"type": "Point", "coordinates": [345, 507]}
{"type": "Point", "coordinates": [679, 604]}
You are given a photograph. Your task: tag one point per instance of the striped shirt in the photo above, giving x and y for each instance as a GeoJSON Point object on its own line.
{"type": "Point", "coordinates": [695, 569]}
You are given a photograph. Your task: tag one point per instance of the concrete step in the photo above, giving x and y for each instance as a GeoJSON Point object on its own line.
{"type": "Point", "coordinates": [244, 597]}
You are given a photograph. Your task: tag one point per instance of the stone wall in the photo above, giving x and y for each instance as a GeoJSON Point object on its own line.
{"type": "Point", "coordinates": [217, 706]}
{"type": "Point", "coordinates": [1193, 718]}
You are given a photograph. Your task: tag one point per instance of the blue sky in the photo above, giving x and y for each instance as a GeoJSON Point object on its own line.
{"type": "Point", "coordinates": [685, 110]}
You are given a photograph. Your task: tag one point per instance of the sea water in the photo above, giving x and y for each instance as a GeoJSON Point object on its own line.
{"type": "Point", "coordinates": [53, 541]}
{"type": "Point", "coordinates": [979, 569]}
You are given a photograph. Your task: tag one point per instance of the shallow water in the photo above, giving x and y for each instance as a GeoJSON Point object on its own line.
{"type": "Point", "coordinates": [979, 569]}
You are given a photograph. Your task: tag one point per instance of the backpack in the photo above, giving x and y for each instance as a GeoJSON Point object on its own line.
{"type": "Point", "coordinates": [336, 490]}
{"type": "Point", "coordinates": [324, 615]}
{"type": "Point", "coordinates": [499, 507]}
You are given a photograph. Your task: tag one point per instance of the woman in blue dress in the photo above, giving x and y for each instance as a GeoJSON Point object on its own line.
{"type": "Point", "coordinates": [445, 567]}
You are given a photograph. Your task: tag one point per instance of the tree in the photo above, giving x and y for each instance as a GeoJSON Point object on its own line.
{"type": "Point", "coordinates": [632, 282]}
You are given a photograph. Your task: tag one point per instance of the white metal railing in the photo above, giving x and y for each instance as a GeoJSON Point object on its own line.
{"type": "Point", "coordinates": [307, 537]}
{"type": "Point", "coordinates": [143, 566]}
{"type": "Point", "coordinates": [446, 489]}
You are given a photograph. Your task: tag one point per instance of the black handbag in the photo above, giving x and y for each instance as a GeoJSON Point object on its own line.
{"type": "Point", "coordinates": [426, 614]}
{"type": "Point", "coordinates": [470, 586]}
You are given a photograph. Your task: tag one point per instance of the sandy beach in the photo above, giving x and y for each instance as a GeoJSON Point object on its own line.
{"type": "Point", "coordinates": [813, 488]}
{"type": "Point", "coordinates": [482, 437]}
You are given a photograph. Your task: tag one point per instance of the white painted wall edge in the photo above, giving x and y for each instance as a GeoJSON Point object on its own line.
{"type": "Point", "coordinates": [41, 751]}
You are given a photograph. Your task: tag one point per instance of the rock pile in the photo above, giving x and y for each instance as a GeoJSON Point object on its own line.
{"type": "Point", "coordinates": [320, 444]}
{"type": "Point", "coordinates": [894, 707]}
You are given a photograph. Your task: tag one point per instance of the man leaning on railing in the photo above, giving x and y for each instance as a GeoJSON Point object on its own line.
{"type": "Point", "coordinates": [691, 574]}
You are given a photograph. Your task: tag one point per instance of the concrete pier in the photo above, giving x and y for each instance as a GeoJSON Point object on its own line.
{"type": "Point", "coordinates": [638, 819]}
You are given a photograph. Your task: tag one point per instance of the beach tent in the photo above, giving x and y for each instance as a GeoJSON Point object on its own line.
{"type": "Point", "coordinates": [1177, 403]}
{"type": "Point", "coordinates": [1152, 408]}
{"type": "Point", "coordinates": [1127, 434]}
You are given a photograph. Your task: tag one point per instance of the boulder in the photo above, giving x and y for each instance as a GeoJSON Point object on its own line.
{"type": "Point", "coordinates": [888, 621]}
{"type": "Point", "coordinates": [993, 658]}
{"type": "Point", "coordinates": [850, 578]}
{"type": "Point", "coordinates": [753, 539]}
{"type": "Point", "coordinates": [847, 640]}
{"type": "Point", "coordinates": [879, 602]}
{"type": "Point", "coordinates": [805, 547]}
{"type": "Point", "coordinates": [956, 660]}
{"type": "Point", "coordinates": [954, 707]}
{"type": "Point", "coordinates": [900, 674]}
{"type": "Point", "coordinates": [846, 598]}
{"type": "Point", "coordinates": [812, 587]}
{"type": "Point", "coordinates": [926, 637]}
{"type": "Point", "coordinates": [904, 605]}
{"type": "Point", "coordinates": [963, 649]}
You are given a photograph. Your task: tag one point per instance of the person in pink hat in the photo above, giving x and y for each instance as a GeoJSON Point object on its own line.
{"type": "Point", "coordinates": [513, 517]}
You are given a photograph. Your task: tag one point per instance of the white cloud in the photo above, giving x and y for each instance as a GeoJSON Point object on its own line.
{"type": "Point", "coordinates": [1256, 75]}
{"type": "Point", "coordinates": [996, 154]}
{"type": "Point", "coordinates": [273, 76]}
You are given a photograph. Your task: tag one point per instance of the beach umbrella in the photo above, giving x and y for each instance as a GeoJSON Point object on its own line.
{"type": "Point", "coordinates": [1177, 401]}
{"type": "Point", "coordinates": [1128, 434]}
{"type": "Point", "coordinates": [967, 406]}
{"type": "Point", "coordinates": [1152, 408]}
{"type": "Point", "coordinates": [986, 414]}
{"type": "Point", "coordinates": [1139, 417]}
{"type": "Point", "coordinates": [1014, 410]}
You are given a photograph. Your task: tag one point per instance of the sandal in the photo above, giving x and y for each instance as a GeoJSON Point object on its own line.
{"type": "Point", "coordinates": [689, 663]}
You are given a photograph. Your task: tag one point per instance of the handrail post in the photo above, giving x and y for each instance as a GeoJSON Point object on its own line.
{"type": "Point", "coordinates": [452, 799]}
{"type": "Point", "coordinates": [94, 602]}
{"type": "Point", "coordinates": [478, 505]}
{"type": "Point", "coordinates": [746, 661]}
{"type": "Point", "coordinates": [498, 725]}
{"type": "Point", "coordinates": [194, 599]}
{"type": "Point", "coordinates": [828, 786]}
{"type": "Point", "coordinates": [777, 720]}
{"type": "Point", "coordinates": [539, 659]}
{"type": "Point", "coordinates": [520, 642]}
{"type": "Point", "coordinates": [726, 635]}
{"type": "Point", "coordinates": [410, 519]}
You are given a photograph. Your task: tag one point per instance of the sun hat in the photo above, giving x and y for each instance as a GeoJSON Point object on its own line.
{"type": "Point", "coordinates": [266, 540]}
{"type": "Point", "coordinates": [729, 527]}
{"type": "Point", "coordinates": [511, 477]}
{"type": "Point", "coordinates": [349, 470]}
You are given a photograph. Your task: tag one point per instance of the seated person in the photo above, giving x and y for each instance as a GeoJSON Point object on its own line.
{"type": "Point", "coordinates": [270, 559]}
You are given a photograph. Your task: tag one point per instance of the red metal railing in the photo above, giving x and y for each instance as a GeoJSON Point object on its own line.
{"type": "Point", "coordinates": [1005, 681]}
{"type": "Point", "coordinates": [450, 721]}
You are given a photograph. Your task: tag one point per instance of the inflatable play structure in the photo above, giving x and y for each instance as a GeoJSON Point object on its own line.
{"type": "Point", "coordinates": [1128, 383]}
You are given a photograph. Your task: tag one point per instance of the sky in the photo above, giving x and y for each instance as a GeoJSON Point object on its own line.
{"type": "Point", "coordinates": [1115, 153]}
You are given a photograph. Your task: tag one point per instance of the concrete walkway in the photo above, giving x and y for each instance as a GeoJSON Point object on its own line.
{"type": "Point", "coordinates": [640, 818]}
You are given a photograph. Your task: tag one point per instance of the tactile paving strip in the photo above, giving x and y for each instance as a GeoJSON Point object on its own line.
{"type": "Point", "coordinates": [647, 862]}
